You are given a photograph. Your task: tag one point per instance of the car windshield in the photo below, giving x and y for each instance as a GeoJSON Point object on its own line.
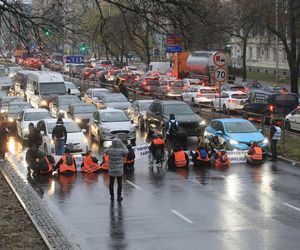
{"type": "Point", "coordinates": [144, 106]}
{"type": "Point", "coordinates": [16, 109]}
{"type": "Point", "coordinates": [70, 86]}
{"type": "Point", "coordinates": [100, 93]}
{"type": "Point", "coordinates": [71, 127]}
{"type": "Point", "coordinates": [113, 117]}
{"type": "Point", "coordinates": [36, 116]}
{"type": "Point", "coordinates": [115, 98]}
{"type": "Point", "coordinates": [177, 109]}
{"type": "Point", "coordinates": [68, 100]}
{"type": "Point", "coordinates": [84, 109]}
{"type": "Point", "coordinates": [208, 91]}
{"type": "Point", "coordinates": [48, 88]}
{"type": "Point", "coordinates": [176, 84]}
{"type": "Point", "coordinates": [285, 99]}
{"type": "Point", "coordinates": [11, 99]}
{"type": "Point", "coordinates": [240, 127]}
{"type": "Point", "coordinates": [237, 88]}
{"type": "Point", "coordinates": [239, 96]}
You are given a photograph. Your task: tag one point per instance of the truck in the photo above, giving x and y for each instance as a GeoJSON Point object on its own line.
{"type": "Point", "coordinates": [198, 64]}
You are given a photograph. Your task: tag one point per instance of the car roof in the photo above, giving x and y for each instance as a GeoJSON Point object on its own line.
{"type": "Point", "coordinates": [33, 110]}
{"type": "Point", "coordinates": [230, 120]}
{"type": "Point", "coordinates": [234, 92]}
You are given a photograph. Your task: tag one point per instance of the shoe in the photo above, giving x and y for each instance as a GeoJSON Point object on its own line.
{"type": "Point", "coordinates": [120, 198]}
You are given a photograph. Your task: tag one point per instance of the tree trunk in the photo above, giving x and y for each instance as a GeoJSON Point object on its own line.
{"type": "Point", "coordinates": [244, 56]}
{"type": "Point", "coordinates": [294, 71]}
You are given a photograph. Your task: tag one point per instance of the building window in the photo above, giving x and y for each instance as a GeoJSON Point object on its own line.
{"type": "Point", "coordinates": [258, 53]}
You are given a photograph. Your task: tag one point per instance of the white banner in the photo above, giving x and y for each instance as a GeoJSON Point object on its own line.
{"type": "Point", "coordinates": [237, 156]}
{"type": "Point", "coordinates": [141, 151]}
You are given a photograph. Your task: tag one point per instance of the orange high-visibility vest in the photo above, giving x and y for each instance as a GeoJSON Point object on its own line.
{"type": "Point", "coordinates": [222, 157]}
{"type": "Point", "coordinates": [199, 156]}
{"type": "Point", "coordinates": [180, 160]}
{"type": "Point", "coordinates": [65, 167]}
{"type": "Point", "coordinates": [49, 166]}
{"type": "Point", "coordinates": [88, 165]}
{"type": "Point", "coordinates": [105, 165]}
{"type": "Point", "coordinates": [158, 141]}
{"type": "Point", "coordinates": [258, 155]}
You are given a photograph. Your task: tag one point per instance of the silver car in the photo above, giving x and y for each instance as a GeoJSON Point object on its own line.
{"type": "Point", "coordinates": [115, 101]}
{"type": "Point", "coordinates": [108, 124]}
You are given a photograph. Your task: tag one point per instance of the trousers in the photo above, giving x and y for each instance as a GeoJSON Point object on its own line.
{"type": "Point", "coordinates": [274, 149]}
{"type": "Point", "coordinates": [111, 185]}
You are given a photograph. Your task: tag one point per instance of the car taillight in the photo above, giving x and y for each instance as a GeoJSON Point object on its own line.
{"type": "Point", "coordinates": [144, 82]}
{"type": "Point", "coordinates": [232, 100]}
{"type": "Point", "coordinates": [271, 108]}
{"type": "Point", "coordinates": [199, 94]}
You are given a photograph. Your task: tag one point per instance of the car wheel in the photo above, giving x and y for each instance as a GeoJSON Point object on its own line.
{"type": "Point", "coordinates": [287, 125]}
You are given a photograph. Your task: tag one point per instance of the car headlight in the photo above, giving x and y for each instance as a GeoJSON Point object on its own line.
{"type": "Point", "coordinates": [44, 103]}
{"type": "Point", "coordinates": [233, 142]}
{"type": "Point", "coordinates": [52, 142]}
{"type": "Point", "coordinates": [266, 141]}
{"type": "Point", "coordinates": [10, 119]}
{"type": "Point", "coordinates": [77, 120]}
{"type": "Point", "coordinates": [203, 122]}
{"type": "Point", "coordinates": [3, 111]}
{"type": "Point", "coordinates": [85, 140]}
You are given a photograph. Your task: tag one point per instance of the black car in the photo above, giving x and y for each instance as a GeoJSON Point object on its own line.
{"type": "Point", "coordinates": [158, 114]}
{"type": "Point", "coordinates": [81, 113]}
{"type": "Point", "coordinates": [270, 105]}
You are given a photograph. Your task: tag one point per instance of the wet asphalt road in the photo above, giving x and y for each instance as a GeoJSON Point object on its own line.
{"type": "Point", "coordinates": [243, 208]}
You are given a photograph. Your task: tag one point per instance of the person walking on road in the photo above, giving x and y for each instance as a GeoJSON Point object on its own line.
{"type": "Point", "coordinates": [34, 136]}
{"type": "Point", "coordinates": [275, 136]}
{"type": "Point", "coordinates": [171, 130]}
{"type": "Point", "coordinates": [3, 139]}
{"type": "Point", "coordinates": [116, 153]}
{"type": "Point", "coordinates": [59, 135]}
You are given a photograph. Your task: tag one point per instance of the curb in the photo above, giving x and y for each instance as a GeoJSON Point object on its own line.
{"type": "Point", "coordinates": [45, 224]}
{"type": "Point", "coordinates": [292, 162]}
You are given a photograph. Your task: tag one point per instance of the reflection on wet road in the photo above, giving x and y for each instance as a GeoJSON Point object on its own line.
{"type": "Point", "coordinates": [243, 208]}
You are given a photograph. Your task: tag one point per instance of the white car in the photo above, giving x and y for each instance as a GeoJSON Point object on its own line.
{"type": "Point", "coordinates": [230, 101]}
{"type": "Point", "coordinates": [72, 89]}
{"type": "Point", "coordinates": [199, 94]}
{"type": "Point", "coordinates": [30, 116]}
{"type": "Point", "coordinates": [292, 120]}
{"type": "Point", "coordinates": [76, 140]}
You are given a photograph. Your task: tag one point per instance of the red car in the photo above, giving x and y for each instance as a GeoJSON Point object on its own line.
{"type": "Point", "coordinates": [33, 63]}
{"type": "Point", "coordinates": [149, 84]}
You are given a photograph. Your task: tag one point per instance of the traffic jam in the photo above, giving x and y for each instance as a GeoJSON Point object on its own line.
{"type": "Point", "coordinates": [190, 123]}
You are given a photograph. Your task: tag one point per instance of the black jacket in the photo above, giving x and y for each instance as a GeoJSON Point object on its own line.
{"type": "Point", "coordinates": [59, 132]}
{"type": "Point", "coordinates": [35, 138]}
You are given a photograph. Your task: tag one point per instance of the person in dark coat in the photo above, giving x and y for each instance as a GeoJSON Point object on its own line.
{"type": "Point", "coordinates": [3, 140]}
{"type": "Point", "coordinates": [123, 90]}
{"type": "Point", "coordinates": [180, 139]}
{"type": "Point", "coordinates": [34, 136]}
{"type": "Point", "coordinates": [59, 135]}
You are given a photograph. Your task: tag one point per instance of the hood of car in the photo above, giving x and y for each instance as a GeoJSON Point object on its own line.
{"type": "Point", "coordinates": [246, 137]}
{"type": "Point", "coordinates": [117, 125]}
{"type": "Point", "coordinates": [118, 105]}
{"type": "Point", "coordinates": [75, 137]}
{"type": "Point", "coordinates": [84, 116]}
{"type": "Point", "coordinates": [188, 118]}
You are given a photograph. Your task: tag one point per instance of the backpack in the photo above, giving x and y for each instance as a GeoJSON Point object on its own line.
{"type": "Point", "coordinates": [69, 160]}
{"type": "Point", "coordinates": [173, 128]}
{"type": "Point", "coordinates": [203, 154]}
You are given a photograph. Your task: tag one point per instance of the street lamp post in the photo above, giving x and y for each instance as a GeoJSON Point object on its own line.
{"type": "Point", "coordinates": [276, 27]}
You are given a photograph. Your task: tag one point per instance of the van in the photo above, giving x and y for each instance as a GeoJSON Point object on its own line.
{"type": "Point", "coordinates": [162, 67]}
{"type": "Point", "coordinates": [20, 83]}
{"type": "Point", "coordinates": [42, 87]}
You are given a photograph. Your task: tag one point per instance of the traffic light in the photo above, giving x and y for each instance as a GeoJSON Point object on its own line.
{"type": "Point", "coordinates": [83, 48]}
{"type": "Point", "coordinates": [46, 33]}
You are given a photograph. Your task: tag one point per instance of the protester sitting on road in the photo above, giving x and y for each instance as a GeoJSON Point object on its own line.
{"type": "Point", "coordinates": [255, 154]}
{"type": "Point", "coordinates": [105, 163]}
{"type": "Point", "coordinates": [180, 139]}
{"type": "Point", "coordinates": [221, 160]}
{"type": "Point", "coordinates": [178, 158]}
{"type": "Point", "coordinates": [59, 136]}
{"type": "Point", "coordinates": [157, 148]}
{"type": "Point", "coordinates": [34, 136]}
{"type": "Point", "coordinates": [116, 153]}
{"type": "Point", "coordinates": [31, 156]}
{"type": "Point", "coordinates": [44, 163]}
{"type": "Point", "coordinates": [90, 163]}
{"type": "Point", "coordinates": [201, 158]}
{"type": "Point", "coordinates": [214, 144]}
{"type": "Point", "coordinates": [3, 139]}
{"type": "Point", "coordinates": [129, 159]}
{"type": "Point", "coordinates": [66, 164]}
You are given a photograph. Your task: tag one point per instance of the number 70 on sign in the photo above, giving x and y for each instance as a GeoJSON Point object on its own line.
{"type": "Point", "coordinates": [220, 74]}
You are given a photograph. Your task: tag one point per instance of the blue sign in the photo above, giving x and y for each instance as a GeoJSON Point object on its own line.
{"type": "Point", "coordinates": [75, 59]}
{"type": "Point", "coordinates": [174, 49]}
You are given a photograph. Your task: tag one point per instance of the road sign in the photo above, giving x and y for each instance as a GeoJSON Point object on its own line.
{"type": "Point", "coordinates": [173, 49]}
{"type": "Point", "coordinates": [220, 74]}
{"type": "Point", "coordinates": [220, 59]}
{"type": "Point", "coordinates": [74, 59]}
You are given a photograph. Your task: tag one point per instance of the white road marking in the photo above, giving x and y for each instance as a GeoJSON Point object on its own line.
{"type": "Point", "coordinates": [291, 206]}
{"type": "Point", "coordinates": [182, 216]}
{"type": "Point", "coordinates": [134, 185]}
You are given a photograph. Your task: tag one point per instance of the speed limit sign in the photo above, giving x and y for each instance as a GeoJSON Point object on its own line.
{"type": "Point", "coordinates": [220, 74]}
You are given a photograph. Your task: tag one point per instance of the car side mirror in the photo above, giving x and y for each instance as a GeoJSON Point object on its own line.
{"type": "Point", "coordinates": [83, 130]}
{"type": "Point", "coordinates": [42, 133]}
{"type": "Point", "coordinates": [219, 133]}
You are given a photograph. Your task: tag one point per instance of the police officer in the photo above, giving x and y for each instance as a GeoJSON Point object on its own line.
{"type": "Point", "coordinates": [275, 136]}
